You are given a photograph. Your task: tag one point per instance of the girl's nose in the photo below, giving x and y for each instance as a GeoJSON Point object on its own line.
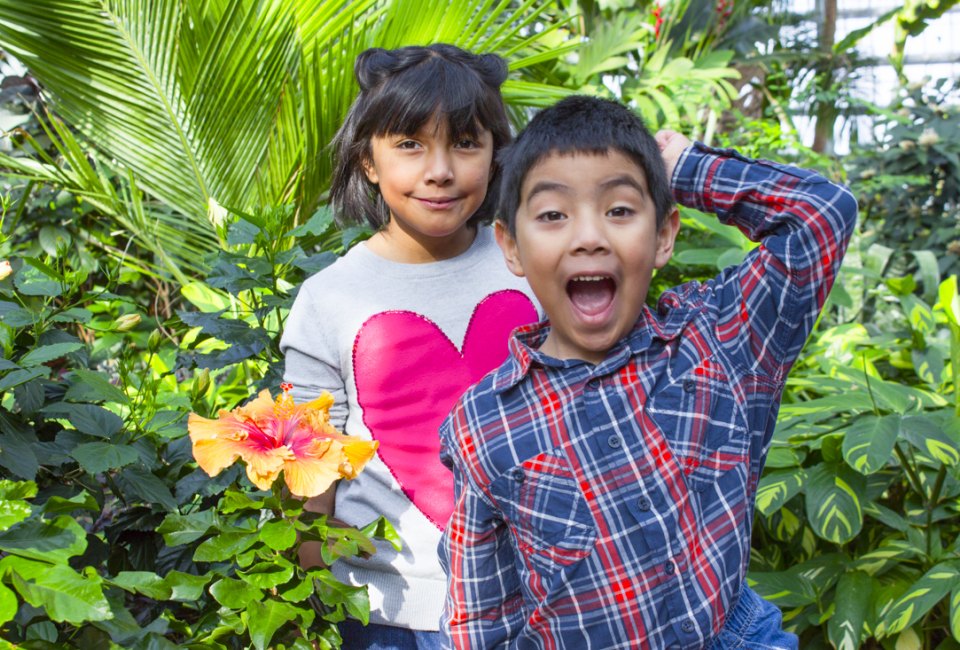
{"type": "Point", "coordinates": [439, 167]}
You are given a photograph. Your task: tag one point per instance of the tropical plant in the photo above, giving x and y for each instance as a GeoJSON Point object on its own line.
{"type": "Point", "coordinates": [909, 181]}
{"type": "Point", "coordinates": [162, 106]}
{"type": "Point", "coordinates": [856, 536]}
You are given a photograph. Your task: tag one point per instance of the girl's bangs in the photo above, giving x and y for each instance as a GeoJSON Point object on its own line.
{"type": "Point", "coordinates": [421, 93]}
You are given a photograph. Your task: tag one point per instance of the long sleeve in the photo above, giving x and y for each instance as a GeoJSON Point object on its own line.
{"type": "Point", "coordinates": [311, 357]}
{"type": "Point", "coordinates": [483, 606]}
{"type": "Point", "coordinates": [803, 223]}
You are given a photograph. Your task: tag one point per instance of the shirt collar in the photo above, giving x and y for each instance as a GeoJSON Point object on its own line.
{"type": "Point", "coordinates": [525, 343]}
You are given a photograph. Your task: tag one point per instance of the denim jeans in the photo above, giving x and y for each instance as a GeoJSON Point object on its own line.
{"type": "Point", "coordinates": [754, 624]}
{"type": "Point", "coordinates": [356, 636]}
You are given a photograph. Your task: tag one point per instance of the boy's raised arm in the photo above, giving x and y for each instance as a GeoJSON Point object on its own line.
{"type": "Point", "coordinates": [483, 603]}
{"type": "Point", "coordinates": [803, 223]}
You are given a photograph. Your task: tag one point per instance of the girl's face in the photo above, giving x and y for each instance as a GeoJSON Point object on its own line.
{"type": "Point", "coordinates": [433, 183]}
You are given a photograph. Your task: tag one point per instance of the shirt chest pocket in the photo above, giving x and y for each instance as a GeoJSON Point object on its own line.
{"type": "Point", "coordinates": [547, 513]}
{"type": "Point", "coordinates": [704, 422]}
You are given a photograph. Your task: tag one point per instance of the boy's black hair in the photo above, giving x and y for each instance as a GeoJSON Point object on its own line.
{"type": "Point", "coordinates": [400, 91]}
{"type": "Point", "coordinates": [581, 124]}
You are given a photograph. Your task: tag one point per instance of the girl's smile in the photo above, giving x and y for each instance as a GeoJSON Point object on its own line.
{"type": "Point", "coordinates": [432, 183]}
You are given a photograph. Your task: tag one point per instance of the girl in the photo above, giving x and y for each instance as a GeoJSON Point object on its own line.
{"type": "Point", "coordinates": [402, 324]}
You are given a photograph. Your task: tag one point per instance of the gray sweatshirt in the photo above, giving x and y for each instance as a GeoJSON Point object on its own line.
{"type": "Point", "coordinates": [396, 344]}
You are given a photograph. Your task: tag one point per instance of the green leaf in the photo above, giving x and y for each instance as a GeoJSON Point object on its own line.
{"type": "Point", "coordinates": [8, 605]}
{"type": "Point", "coordinates": [204, 298]}
{"type": "Point", "coordinates": [143, 582]}
{"type": "Point", "coordinates": [950, 300]}
{"type": "Point", "coordinates": [334, 593]}
{"type": "Point", "coordinates": [278, 535]}
{"type": "Point", "coordinates": [46, 353]}
{"type": "Point", "coordinates": [90, 386]}
{"type": "Point", "coordinates": [264, 619]}
{"type": "Point", "coordinates": [928, 436]}
{"type": "Point", "coordinates": [17, 489]}
{"type": "Point", "coordinates": [12, 512]}
{"type": "Point", "coordinates": [140, 483]}
{"type": "Point", "coordinates": [50, 541]}
{"type": "Point", "coordinates": [180, 529]}
{"type": "Point", "coordinates": [955, 613]}
{"type": "Point", "coordinates": [235, 500]}
{"type": "Point", "coordinates": [185, 587]}
{"type": "Point", "coordinates": [919, 599]}
{"type": "Point", "coordinates": [22, 376]}
{"type": "Point", "coordinates": [234, 594]}
{"type": "Point", "coordinates": [300, 591]}
{"type": "Point", "coordinates": [17, 453]}
{"type": "Point", "coordinates": [776, 488]}
{"type": "Point", "coordinates": [97, 457]}
{"type": "Point", "coordinates": [66, 595]}
{"type": "Point", "coordinates": [87, 418]}
{"type": "Point", "coordinates": [868, 443]}
{"type": "Point", "coordinates": [852, 599]}
{"type": "Point", "coordinates": [833, 502]}
{"type": "Point", "coordinates": [57, 505]}
{"type": "Point", "coordinates": [267, 575]}
{"type": "Point", "coordinates": [224, 547]}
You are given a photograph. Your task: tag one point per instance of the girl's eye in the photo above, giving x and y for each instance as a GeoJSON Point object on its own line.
{"type": "Point", "coordinates": [550, 216]}
{"type": "Point", "coordinates": [407, 144]}
{"type": "Point", "coordinates": [620, 211]}
{"type": "Point", "coordinates": [467, 143]}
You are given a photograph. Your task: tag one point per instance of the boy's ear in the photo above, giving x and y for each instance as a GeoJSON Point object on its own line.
{"type": "Point", "coordinates": [666, 237]}
{"type": "Point", "coordinates": [508, 244]}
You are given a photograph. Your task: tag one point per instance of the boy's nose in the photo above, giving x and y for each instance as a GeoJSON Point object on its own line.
{"type": "Point", "coordinates": [589, 235]}
{"type": "Point", "coordinates": [439, 168]}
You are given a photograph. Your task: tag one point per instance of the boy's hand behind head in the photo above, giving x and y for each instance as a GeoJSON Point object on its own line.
{"type": "Point", "coordinates": [671, 146]}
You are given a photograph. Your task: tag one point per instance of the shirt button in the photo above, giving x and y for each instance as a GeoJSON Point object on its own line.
{"type": "Point", "coordinates": [669, 567]}
{"type": "Point", "coordinates": [614, 441]}
{"type": "Point", "coordinates": [689, 385]}
{"type": "Point", "coordinates": [687, 626]}
{"type": "Point", "coordinates": [593, 383]}
{"type": "Point", "coordinates": [517, 475]}
{"type": "Point", "coordinates": [644, 504]}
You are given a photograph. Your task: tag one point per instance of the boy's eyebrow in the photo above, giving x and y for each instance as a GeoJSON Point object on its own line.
{"type": "Point", "coordinates": [546, 186]}
{"type": "Point", "coordinates": [624, 179]}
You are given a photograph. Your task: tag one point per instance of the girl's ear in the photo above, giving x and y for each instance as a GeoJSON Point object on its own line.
{"type": "Point", "coordinates": [369, 170]}
{"type": "Point", "coordinates": [508, 244]}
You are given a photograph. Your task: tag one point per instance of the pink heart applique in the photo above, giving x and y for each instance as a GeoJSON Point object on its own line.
{"type": "Point", "coordinates": [409, 375]}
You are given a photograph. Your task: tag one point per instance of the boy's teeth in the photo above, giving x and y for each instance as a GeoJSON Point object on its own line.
{"type": "Point", "coordinates": [589, 278]}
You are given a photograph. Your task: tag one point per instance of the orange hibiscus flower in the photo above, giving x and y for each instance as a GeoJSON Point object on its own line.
{"type": "Point", "coordinates": [271, 436]}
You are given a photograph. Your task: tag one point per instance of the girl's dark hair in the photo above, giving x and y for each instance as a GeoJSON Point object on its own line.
{"type": "Point", "coordinates": [400, 91]}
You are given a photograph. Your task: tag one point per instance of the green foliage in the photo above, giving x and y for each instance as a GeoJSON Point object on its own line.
{"type": "Point", "coordinates": [856, 534]}
{"type": "Point", "coordinates": [909, 185]}
{"type": "Point", "coordinates": [109, 532]}
{"type": "Point", "coordinates": [161, 106]}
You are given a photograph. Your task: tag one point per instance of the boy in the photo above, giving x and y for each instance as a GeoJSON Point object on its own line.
{"type": "Point", "coordinates": [605, 474]}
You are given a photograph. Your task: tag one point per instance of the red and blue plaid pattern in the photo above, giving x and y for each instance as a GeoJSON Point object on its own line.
{"type": "Point", "coordinates": [610, 506]}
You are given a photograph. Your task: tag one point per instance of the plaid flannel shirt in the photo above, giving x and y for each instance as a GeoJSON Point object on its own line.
{"type": "Point", "coordinates": [610, 506]}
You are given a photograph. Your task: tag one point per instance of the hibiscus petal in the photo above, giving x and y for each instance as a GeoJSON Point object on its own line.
{"type": "Point", "coordinates": [311, 476]}
{"type": "Point", "coordinates": [358, 453]}
{"type": "Point", "coordinates": [215, 444]}
{"type": "Point", "coordinates": [263, 468]}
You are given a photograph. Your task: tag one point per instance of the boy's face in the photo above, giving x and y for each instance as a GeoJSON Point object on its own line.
{"type": "Point", "coordinates": [587, 241]}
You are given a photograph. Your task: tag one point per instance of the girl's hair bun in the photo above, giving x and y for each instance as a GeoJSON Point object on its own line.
{"type": "Point", "coordinates": [374, 65]}
{"type": "Point", "coordinates": [492, 69]}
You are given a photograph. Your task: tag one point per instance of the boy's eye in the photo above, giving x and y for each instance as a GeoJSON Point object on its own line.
{"type": "Point", "coordinates": [551, 215]}
{"type": "Point", "coordinates": [620, 211]}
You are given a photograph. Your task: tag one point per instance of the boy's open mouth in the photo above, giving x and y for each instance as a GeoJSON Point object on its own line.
{"type": "Point", "coordinates": [591, 294]}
